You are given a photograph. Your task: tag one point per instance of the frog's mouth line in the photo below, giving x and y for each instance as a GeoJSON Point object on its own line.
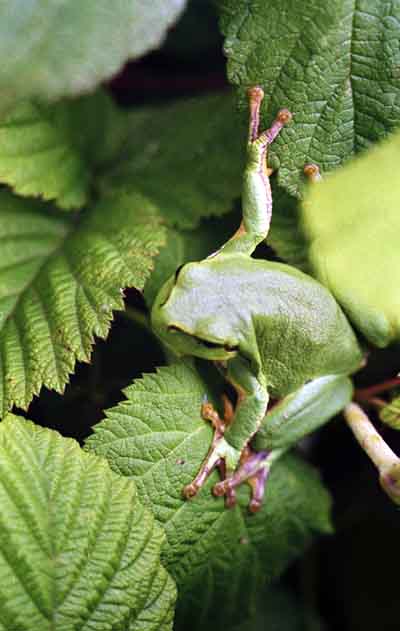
{"type": "Point", "coordinates": [203, 342]}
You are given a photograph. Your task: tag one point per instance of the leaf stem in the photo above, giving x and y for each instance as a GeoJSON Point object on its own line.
{"type": "Point", "coordinates": [136, 316]}
{"type": "Point", "coordinates": [367, 394]}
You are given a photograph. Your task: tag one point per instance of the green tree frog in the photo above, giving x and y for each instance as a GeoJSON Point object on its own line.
{"type": "Point", "coordinates": [270, 328]}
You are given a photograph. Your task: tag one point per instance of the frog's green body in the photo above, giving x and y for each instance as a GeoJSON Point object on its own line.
{"type": "Point", "coordinates": [287, 325]}
{"type": "Point", "coordinates": [270, 327]}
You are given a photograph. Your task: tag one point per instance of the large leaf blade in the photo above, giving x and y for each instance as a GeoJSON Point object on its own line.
{"type": "Point", "coordinates": [59, 283]}
{"type": "Point", "coordinates": [52, 151]}
{"type": "Point", "coordinates": [352, 224]}
{"type": "Point", "coordinates": [55, 50]}
{"type": "Point", "coordinates": [78, 550]}
{"type": "Point", "coordinates": [334, 65]}
{"type": "Point", "coordinates": [158, 437]}
{"type": "Point", "coordinates": [187, 157]}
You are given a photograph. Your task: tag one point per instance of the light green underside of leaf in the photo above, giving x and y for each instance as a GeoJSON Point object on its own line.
{"type": "Point", "coordinates": [335, 65]}
{"type": "Point", "coordinates": [60, 281]}
{"type": "Point", "coordinates": [187, 158]}
{"type": "Point", "coordinates": [77, 549]}
{"type": "Point", "coordinates": [158, 437]}
{"type": "Point", "coordinates": [51, 151]}
{"type": "Point", "coordinates": [353, 223]}
{"type": "Point", "coordinates": [54, 49]}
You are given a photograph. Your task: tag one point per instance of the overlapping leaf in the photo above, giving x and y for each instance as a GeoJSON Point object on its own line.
{"type": "Point", "coordinates": [158, 437]}
{"type": "Point", "coordinates": [77, 548]}
{"type": "Point", "coordinates": [352, 222]}
{"type": "Point", "coordinates": [51, 50]}
{"type": "Point", "coordinates": [335, 65]}
{"type": "Point", "coordinates": [60, 281]}
{"type": "Point", "coordinates": [186, 157]}
{"type": "Point", "coordinates": [51, 151]}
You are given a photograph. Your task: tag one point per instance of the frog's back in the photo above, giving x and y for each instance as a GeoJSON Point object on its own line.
{"type": "Point", "coordinates": [300, 331]}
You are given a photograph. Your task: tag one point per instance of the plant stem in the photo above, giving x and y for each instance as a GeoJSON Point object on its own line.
{"type": "Point", "coordinates": [136, 316]}
{"type": "Point", "coordinates": [366, 394]}
{"type": "Point", "coordinates": [386, 461]}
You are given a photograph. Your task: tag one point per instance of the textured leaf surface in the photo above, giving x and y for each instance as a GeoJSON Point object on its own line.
{"type": "Point", "coordinates": [50, 151]}
{"type": "Point", "coordinates": [78, 549]}
{"type": "Point", "coordinates": [187, 158]}
{"type": "Point", "coordinates": [60, 281]}
{"type": "Point", "coordinates": [352, 221]}
{"type": "Point", "coordinates": [158, 437]}
{"type": "Point", "coordinates": [335, 65]}
{"type": "Point", "coordinates": [54, 49]}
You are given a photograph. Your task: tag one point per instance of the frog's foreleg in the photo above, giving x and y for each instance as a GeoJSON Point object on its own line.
{"type": "Point", "coordinates": [256, 195]}
{"type": "Point", "coordinates": [251, 407]}
{"type": "Point", "coordinates": [213, 459]}
{"type": "Point", "coordinates": [230, 439]}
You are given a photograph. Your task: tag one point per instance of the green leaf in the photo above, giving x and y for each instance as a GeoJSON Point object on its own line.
{"type": "Point", "coordinates": [390, 414]}
{"type": "Point", "coordinates": [51, 151]}
{"type": "Point", "coordinates": [304, 411]}
{"type": "Point", "coordinates": [158, 437]}
{"type": "Point", "coordinates": [187, 158]}
{"type": "Point", "coordinates": [51, 50]}
{"type": "Point", "coordinates": [60, 281]}
{"type": "Point", "coordinates": [78, 549]}
{"type": "Point", "coordinates": [352, 221]}
{"type": "Point", "coordinates": [335, 65]}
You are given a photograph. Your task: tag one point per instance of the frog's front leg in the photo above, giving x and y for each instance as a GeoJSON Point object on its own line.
{"type": "Point", "coordinates": [229, 445]}
{"type": "Point", "coordinates": [213, 459]}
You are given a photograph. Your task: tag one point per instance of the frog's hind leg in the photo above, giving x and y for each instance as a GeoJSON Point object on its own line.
{"type": "Point", "coordinates": [312, 172]}
{"type": "Point", "coordinates": [256, 194]}
{"type": "Point", "coordinates": [267, 137]}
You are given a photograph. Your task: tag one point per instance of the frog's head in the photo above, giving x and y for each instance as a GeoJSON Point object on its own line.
{"type": "Point", "coordinates": [184, 320]}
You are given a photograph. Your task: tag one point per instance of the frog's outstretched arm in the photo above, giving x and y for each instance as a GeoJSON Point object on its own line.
{"type": "Point", "coordinates": [256, 195]}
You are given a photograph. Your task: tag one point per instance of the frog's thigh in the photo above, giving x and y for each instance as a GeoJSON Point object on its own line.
{"type": "Point", "coordinates": [303, 411]}
{"type": "Point", "coordinates": [251, 406]}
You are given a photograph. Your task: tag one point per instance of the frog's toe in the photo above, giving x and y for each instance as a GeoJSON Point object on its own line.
{"type": "Point", "coordinates": [253, 469]}
{"type": "Point", "coordinates": [190, 490]}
